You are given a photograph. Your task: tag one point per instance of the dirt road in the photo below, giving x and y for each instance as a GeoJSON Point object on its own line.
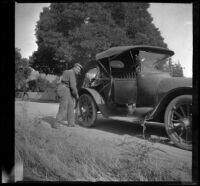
{"type": "Point", "coordinates": [105, 129]}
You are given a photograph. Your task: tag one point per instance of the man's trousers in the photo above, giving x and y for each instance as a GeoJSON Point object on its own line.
{"type": "Point", "coordinates": [67, 104]}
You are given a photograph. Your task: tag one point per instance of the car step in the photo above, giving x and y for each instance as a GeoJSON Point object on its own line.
{"type": "Point", "coordinates": [126, 118]}
{"type": "Point", "coordinates": [138, 112]}
{"type": "Point", "coordinates": [141, 111]}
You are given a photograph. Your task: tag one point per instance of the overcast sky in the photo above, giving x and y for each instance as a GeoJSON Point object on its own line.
{"type": "Point", "coordinates": [173, 20]}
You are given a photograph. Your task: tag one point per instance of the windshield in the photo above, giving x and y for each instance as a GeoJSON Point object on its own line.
{"type": "Point", "coordinates": [151, 61]}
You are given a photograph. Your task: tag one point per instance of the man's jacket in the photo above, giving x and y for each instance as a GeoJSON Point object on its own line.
{"type": "Point", "coordinates": [69, 79]}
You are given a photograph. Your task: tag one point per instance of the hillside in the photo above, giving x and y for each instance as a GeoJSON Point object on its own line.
{"type": "Point", "coordinates": [81, 154]}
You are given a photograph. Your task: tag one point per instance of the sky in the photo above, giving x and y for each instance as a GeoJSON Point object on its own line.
{"type": "Point", "coordinates": [175, 24]}
{"type": "Point", "coordinates": [174, 21]}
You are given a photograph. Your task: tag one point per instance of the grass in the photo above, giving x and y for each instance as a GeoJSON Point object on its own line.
{"type": "Point", "coordinates": [66, 155]}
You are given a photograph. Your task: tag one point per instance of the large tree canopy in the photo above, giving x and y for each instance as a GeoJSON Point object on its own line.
{"type": "Point", "coordinates": [74, 32]}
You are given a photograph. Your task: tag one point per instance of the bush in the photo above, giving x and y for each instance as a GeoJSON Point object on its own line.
{"type": "Point", "coordinates": [41, 84]}
{"type": "Point", "coordinates": [38, 85]}
{"type": "Point", "coordinates": [32, 86]}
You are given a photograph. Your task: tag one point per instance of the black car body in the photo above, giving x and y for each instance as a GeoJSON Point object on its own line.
{"type": "Point", "coordinates": [125, 85]}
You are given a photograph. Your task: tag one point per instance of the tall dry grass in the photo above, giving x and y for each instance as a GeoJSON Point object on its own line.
{"type": "Point", "coordinates": [66, 155]}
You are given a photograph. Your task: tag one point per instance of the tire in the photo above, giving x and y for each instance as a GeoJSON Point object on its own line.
{"type": "Point", "coordinates": [178, 121]}
{"type": "Point", "coordinates": [87, 111]}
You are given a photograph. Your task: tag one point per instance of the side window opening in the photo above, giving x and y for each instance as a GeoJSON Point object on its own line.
{"type": "Point", "coordinates": [116, 64]}
{"type": "Point", "coordinates": [121, 69]}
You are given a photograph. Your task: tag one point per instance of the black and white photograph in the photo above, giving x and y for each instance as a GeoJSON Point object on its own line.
{"type": "Point", "coordinates": [103, 92]}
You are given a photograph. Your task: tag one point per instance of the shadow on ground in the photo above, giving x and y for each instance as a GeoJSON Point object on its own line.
{"type": "Point", "coordinates": [49, 119]}
{"type": "Point", "coordinates": [153, 133]}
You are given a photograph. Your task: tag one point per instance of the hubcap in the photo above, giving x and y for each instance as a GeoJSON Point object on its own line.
{"type": "Point", "coordinates": [185, 122]}
{"type": "Point", "coordinates": [83, 110]}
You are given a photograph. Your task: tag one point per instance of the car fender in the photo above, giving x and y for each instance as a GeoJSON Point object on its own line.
{"type": "Point", "coordinates": [98, 99]}
{"type": "Point", "coordinates": [94, 94]}
{"type": "Point", "coordinates": [158, 111]}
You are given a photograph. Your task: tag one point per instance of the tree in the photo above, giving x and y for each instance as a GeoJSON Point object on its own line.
{"type": "Point", "coordinates": [177, 70]}
{"type": "Point", "coordinates": [173, 68]}
{"type": "Point", "coordinates": [41, 84]}
{"type": "Point", "coordinates": [74, 32]}
{"type": "Point", "coordinates": [137, 23]}
{"type": "Point", "coordinates": [22, 70]}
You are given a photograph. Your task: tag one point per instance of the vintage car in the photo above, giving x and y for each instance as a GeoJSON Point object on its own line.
{"type": "Point", "coordinates": [125, 85]}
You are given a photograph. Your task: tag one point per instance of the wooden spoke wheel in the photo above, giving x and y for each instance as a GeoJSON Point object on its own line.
{"type": "Point", "coordinates": [178, 121]}
{"type": "Point", "coordinates": [87, 110]}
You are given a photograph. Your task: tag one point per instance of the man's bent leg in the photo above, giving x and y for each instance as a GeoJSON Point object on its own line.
{"type": "Point", "coordinates": [62, 111]}
{"type": "Point", "coordinates": [70, 112]}
{"type": "Point", "coordinates": [59, 115]}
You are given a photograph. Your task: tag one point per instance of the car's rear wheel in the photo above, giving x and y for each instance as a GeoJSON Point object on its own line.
{"type": "Point", "coordinates": [87, 110]}
{"type": "Point", "coordinates": [178, 121]}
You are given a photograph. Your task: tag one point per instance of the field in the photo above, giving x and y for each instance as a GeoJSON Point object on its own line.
{"type": "Point", "coordinates": [82, 154]}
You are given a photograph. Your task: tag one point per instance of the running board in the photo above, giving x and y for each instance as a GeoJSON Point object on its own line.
{"type": "Point", "coordinates": [138, 112]}
{"type": "Point", "coordinates": [141, 111]}
{"type": "Point", "coordinates": [126, 118]}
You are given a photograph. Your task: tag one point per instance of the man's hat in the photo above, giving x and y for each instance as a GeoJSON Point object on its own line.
{"type": "Point", "coordinates": [78, 65]}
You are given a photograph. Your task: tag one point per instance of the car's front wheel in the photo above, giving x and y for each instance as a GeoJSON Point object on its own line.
{"type": "Point", "coordinates": [87, 110]}
{"type": "Point", "coordinates": [178, 121]}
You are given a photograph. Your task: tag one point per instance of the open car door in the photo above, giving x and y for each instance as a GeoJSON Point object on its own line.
{"type": "Point", "coordinates": [122, 86]}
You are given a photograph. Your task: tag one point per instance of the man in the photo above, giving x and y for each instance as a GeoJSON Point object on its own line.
{"type": "Point", "coordinates": [25, 90]}
{"type": "Point", "coordinates": [67, 92]}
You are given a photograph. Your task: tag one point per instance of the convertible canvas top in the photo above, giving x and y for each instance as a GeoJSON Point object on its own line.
{"type": "Point", "coordinates": [120, 49]}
